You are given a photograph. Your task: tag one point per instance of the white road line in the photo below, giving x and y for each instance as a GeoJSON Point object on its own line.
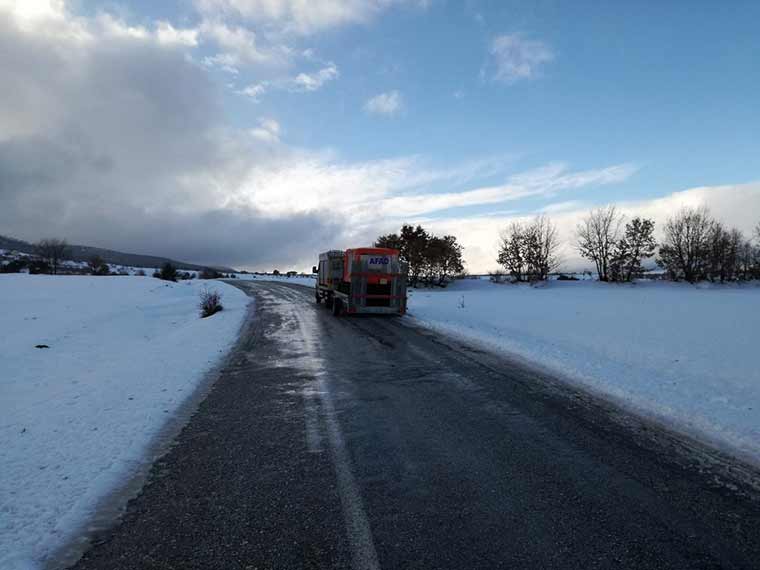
{"type": "Point", "coordinates": [311, 418]}
{"type": "Point", "coordinates": [358, 531]}
{"type": "Point", "coordinates": [357, 525]}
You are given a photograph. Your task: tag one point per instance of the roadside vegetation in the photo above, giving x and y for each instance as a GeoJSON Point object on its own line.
{"type": "Point", "coordinates": [694, 247]}
{"type": "Point", "coordinates": [433, 260]}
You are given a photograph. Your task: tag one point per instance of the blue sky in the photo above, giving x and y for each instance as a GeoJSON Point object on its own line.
{"type": "Point", "coordinates": [435, 110]}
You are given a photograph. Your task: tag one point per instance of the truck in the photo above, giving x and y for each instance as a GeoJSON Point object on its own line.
{"type": "Point", "coordinates": [362, 280]}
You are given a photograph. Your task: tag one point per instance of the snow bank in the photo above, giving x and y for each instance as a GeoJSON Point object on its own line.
{"type": "Point", "coordinates": [76, 418]}
{"type": "Point", "coordinates": [683, 354]}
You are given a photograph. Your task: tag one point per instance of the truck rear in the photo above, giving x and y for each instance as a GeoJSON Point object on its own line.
{"type": "Point", "coordinates": [362, 280]}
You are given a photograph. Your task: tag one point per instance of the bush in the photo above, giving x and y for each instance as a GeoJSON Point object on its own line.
{"type": "Point", "coordinates": [210, 303]}
{"type": "Point", "coordinates": [140, 273]}
{"type": "Point", "coordinates": [168, 272]}
{"type": "Point", "coordinates": [14, 266]}
{"type": "Point", "coordinates": [38, 266]}
{"type": "Point", "coordinates": [209, 273]}
{"type": "Point", "coordinates": [97, 266]}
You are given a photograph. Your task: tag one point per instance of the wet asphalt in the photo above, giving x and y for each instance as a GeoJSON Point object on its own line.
{"type": "Point", "coordinates": [369, 443]}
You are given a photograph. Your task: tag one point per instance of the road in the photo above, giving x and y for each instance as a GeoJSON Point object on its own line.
{"type": "Point", "coordinates": [367, 443]}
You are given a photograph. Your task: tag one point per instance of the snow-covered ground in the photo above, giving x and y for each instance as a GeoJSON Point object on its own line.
{"type": "Point", "coordinates": [77, 417]}
{"type": "Point", "coordinates": [683, 354]}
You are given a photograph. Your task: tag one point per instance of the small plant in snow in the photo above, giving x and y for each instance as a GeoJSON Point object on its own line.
{"type": "Point", "coordinates": [210, 303]}
{"type": "Point", "coordinates": [461, 302]}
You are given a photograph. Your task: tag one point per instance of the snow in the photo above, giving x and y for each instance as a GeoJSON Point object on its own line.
{"type": "Point", "coordinates": [682, 354]}
{"type": "Point", "coordinates": [77, 418]}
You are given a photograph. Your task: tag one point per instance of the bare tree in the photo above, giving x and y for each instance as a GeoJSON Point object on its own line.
{"type": "Point", "coordinates": [684, 250]}
{"type": "Point", "coordinates": [512, 251]}
{"type": "Point", "coordinates": [542, 248]}
{"type": "Point", "coordinates": [530, 251]}
{"type": "Point", "coordinates": [52, 251]}
{"type": "Point", "coordinates": [597, 236]}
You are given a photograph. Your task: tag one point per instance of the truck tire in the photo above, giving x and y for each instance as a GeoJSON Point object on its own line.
{"type": "Point", "coordinates": [317, 297]}
{"type": "Point", "coordinates": [337, 307]}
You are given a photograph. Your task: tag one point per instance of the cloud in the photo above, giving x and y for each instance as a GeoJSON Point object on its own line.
{"type": "Point", "coordinates": [301, 83]}
{"type": "Point", "coordinates": [301, 17]}
{"type": "Point", "coordinates": [735, 205]}
{"type": "Point", "coordinates": [113, 137]}
{"type": "Point", "coordinates": [239, 47]}
{"type": "Point", "coordinates": [268, 131]}
{"type": "Point", "coordinates": [515, 58]}
{"type": "Point", "coordinates": [389, 104]}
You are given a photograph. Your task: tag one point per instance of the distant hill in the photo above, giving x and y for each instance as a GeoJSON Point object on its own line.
{"type": "Point", "coordinates": [85, 252]}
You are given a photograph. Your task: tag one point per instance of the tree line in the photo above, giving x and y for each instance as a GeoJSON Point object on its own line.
{"type": "Point", "coordinates": [432, 260]}
{"type": "Point", "coordinates": [694, 247]}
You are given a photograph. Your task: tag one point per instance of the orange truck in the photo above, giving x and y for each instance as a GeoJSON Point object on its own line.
{"type": "Point", "coordinates": [362, 280]}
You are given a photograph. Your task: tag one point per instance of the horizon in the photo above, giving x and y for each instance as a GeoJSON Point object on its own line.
{"type": "Point", "coordinates": [255, 134]}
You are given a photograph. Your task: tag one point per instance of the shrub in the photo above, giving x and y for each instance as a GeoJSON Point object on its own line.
{"type": "Point", "coordinates": [209, 273]}
{"type": "Point", "coordinates": [210, 303]}
{"type": "Point", "coordinates": [38, 266]}
{"type": "Point", "coordinates": [97, 266]}
{"type": "Point", "coordinates": [14, 266]}
{"type": "Point", "coordinates": [140, 273]}
{"type": "Point", "coordinates": [168, 272]}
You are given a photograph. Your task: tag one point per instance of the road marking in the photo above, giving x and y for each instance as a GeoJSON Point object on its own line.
{"type": "Point", "coordinates": [358, 531]}
{"type": "Point", "coordinates": [311, 418]}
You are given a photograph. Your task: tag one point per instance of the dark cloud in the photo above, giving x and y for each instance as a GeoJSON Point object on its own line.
{"type": "Point", "coordinates": [119, 141]}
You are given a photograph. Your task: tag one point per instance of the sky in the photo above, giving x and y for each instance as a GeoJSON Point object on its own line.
{"type": "Point", "coordinates": [257, 133]}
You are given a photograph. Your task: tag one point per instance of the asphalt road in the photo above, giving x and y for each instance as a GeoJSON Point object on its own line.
{"type": "Point", "coordinates": [367, 443]}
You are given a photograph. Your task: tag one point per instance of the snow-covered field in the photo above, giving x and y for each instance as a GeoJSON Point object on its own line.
{"type": "Point", "coordinates": [77, 417]}
{"type": "Point", "coordinates": [684, 354]}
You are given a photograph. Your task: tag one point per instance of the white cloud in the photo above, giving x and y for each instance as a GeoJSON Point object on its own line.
{"type": "Point", "coordinates": [301, 17]}
{"type": "Point", "coordinates": [301, 83]}
{"type": "Point", "coordinates": [169, 35]}
{"type": "Point", "coordinates": [389, 104]}
{"type": "Point", "coordinates": [238, 44]}
{"type": "Point", "coordinates": [735, 205]}
{"type": "Point", "coordinates": [268, 131]}
{"type": "Point", "coordinates": [314, 81]}
{"type": "Point", "coordinates": [516, 58]}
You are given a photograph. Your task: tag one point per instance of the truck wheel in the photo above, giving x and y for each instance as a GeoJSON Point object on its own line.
{"type": "Point", "coordinates": [337, 307]}
{"type": "Point", "coordinates": [317, 297]}
{"type": "Point", "coordinates": [329, 300]}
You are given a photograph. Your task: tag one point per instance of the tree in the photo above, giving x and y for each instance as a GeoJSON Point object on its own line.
{"type": "Point", "coordinates": [684, 250]}
{"type": "Point", "coordinates": [637, 244]}
{"type": "Point", "coordinates": [168, 272]}
{"type": "Point", "coordinates": [542, 246]}
{"type": "Point", "coordinates": [529, 251]}
{"type": "Point", "coordinates": [52, 251]}
{"type": "Point", "coordinates": [442, 260]}
{"type": "Point", "coordinates": [98, 266]}
{"type": "Point", "coordinates": [512, 251]}
{"type": "Point", "coordinates": [597, 236]}
{"type": "Point", "coordinates": [431, 259]}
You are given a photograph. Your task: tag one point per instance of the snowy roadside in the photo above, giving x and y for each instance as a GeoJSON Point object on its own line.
{"type": "Point", "coordinates": [76, 418]}
{"type": "Point", "coordinates": [681, 354]}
